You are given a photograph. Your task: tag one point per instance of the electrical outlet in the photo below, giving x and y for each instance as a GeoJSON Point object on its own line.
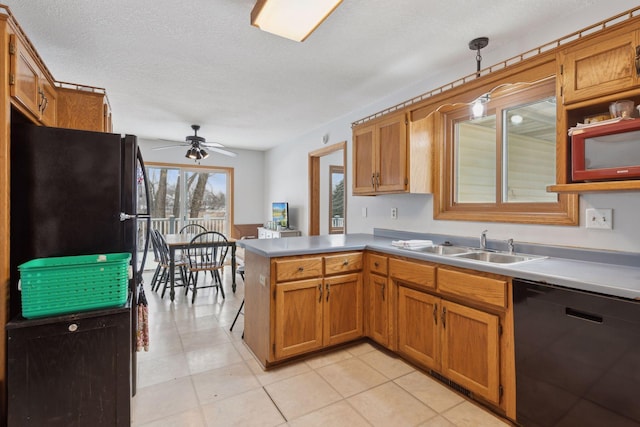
{"type": "Point", "coordinates": [599, 218]}
{"type": "Point", "coordinates": [394, 213]}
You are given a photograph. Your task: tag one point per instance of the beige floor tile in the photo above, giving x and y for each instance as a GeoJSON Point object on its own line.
{"type": "Point", "coordinates": [212, 357]}
{"type": "Point", "coordinates": [161, 344]}
{"type": "Point", "coordinates": [277, 373]}
{"type": "Point", "coordinates": [161, 369]}
{"type": "Point", "coordinates": [438, 421]}
{"type": "Point", "coordinates": [221, 383]}
{"type": "Point", "coordinates": [429, 391]}
{"type": "Point", "coordinates": [389, 405]}
{"type": "Point", "coordinates": [390, 366]}
{"type": "Point", "coordinates": [337, 414]}
{"type": "Point", "coordinates": [468, 414]}
{"type": "Point", "coordinates": [204, 338]}
{"type": "Point", "coordinates": [302, 394]}
{"type": "Point", "coordinates": [244, 351]}
{"type": "Point", "coordinates": [164, 400]}
{"type": "Point", "coordinates": [328, 358]}
{"type": "Point", "coordinates": [361, 348]}
{"type": "Point", "coordinates": [351, 376]}
{"type": "Point", "coordinates": [191, 418]}
{"type": "Point", "coordinates": [252, 408]}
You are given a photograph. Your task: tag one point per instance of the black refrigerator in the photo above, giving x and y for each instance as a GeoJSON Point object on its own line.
{"type": "Point", "coordinates": [74, 193]}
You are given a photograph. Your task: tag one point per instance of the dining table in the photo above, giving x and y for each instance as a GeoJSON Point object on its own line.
{"type": "Point", "coordinates": [178, 242]}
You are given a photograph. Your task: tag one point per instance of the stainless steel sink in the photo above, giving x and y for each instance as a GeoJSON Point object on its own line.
{"type": "Point", "coordinates": [443, 250]}
{"type": "Point", "coordinates": [497, 257]}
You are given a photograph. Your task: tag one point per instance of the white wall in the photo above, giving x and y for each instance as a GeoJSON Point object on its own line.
{"type": "Point", "coordinates": [286, 166]}
{"type": "Point", "coordinates": [248, 176]}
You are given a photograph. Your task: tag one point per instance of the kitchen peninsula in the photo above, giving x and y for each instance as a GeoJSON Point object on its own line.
{"type": "Point", "coordinates": [306, 294]}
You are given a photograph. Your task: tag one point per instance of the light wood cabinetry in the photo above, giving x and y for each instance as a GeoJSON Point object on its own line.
{"type": "Point", "coordinates": [377, 312]}
{"type": "Point", "coordinates": [460, 316]}
{"type": "Point", "coordinates": [600, 66]}
{"type": "Point", "coordinates": [31, 88]}
{"type": "Point", "coordinates": [318, 302]}
{"type": "Point", "coordinates": [84, 108]}
{"type": "Point", "coordinates": [380, 156]}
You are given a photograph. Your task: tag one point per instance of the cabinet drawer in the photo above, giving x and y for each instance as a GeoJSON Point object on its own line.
{"type": "Point", "coordinates": [377, 264]}
{"type": "Point", "coordinates": [296, 269]}
{"type": "Point", "coordinates": [478, 288]}
{"type": "Point", "coordinates": [413, 272]}
{"type": "Point", "coordinates": [342, 263]}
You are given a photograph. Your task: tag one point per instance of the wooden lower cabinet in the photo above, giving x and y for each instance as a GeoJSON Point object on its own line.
{"type": "Point", "coordinates": [298, 321]}
{"type": "Point", "coordinates": [470, 349]}
{"type": "Point", "coordinates": [418, 333]}
{"type": "Point", "coordinates": [378, 309]}
{"type": "Point", "coordinates": [311, 314]}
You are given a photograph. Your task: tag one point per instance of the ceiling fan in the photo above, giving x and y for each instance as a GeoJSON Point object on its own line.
{"type": "Point", "coordinates": [197, 145]}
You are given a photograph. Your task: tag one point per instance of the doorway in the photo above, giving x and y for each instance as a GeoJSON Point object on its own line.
{"type": "Point", "coordinates": [327, 185]}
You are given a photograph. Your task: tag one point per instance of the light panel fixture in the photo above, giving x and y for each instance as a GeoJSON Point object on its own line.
{"type": "Point", "coordinates": [292, 19]}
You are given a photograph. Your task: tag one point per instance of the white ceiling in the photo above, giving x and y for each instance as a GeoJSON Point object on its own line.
{"type": "Point", "coordinates": [168, 64]}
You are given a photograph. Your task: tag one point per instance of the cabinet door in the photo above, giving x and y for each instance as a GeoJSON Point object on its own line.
{"type": "Point", "coordinates": [364, 159]}
{"type": "Point", "coordinates": [418, 333]}
{"type": "Point", "coordinates": [600, 67]}
{"type": "Point", "coordinates": [298, 322]}
{"type": "Point", "coordinates": [342, 308]}
{"type": "Point", "coordinates": [470, 349]}
{"type": "Point", "coordinates": [25, 87]}
{"type": "Point", "coordinates": [391, 141]}
{"type": "Point", "coordinates": [379, 309]}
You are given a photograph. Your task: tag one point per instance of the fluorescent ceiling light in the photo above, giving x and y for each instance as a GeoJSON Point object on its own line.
{"type": "Point", "coordinates": [292, 19]}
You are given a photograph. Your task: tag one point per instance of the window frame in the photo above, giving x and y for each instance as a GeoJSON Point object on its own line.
{"type": "Point", "coordinates": [562, 212]}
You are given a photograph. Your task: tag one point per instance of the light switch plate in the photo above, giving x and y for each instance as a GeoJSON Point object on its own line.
{"type": "Point", "coordinates": [599, 218]}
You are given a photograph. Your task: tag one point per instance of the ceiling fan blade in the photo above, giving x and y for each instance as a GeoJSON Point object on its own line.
{"type": "Point", "coordinates": [221, 151]}
{"type": "Point", "coordinates": [169, 146]}
{"type": "Point", "coordinates": [212, 144]}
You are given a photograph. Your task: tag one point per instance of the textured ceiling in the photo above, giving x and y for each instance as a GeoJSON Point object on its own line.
{"type": "Point", "coordinates": [168, 64]}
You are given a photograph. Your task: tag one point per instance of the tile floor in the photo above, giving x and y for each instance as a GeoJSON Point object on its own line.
{"type": "Point", "coordinates": [197, 373]}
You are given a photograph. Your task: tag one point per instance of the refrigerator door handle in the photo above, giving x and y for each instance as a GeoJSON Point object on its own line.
{"type": "Point", "coordinates": [126, 216]}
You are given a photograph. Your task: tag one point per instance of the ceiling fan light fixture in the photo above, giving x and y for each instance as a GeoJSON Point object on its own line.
{"type": "Point", "coordinates": [291, 19]}
{"type": "Point", "coordinates": [192, 153]}
{"type": "Point", "coordinates": [203, 154]}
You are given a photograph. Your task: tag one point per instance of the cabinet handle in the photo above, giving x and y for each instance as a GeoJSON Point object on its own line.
{"type": "Point", "coordinates": [383, 287]}
{"type": "Point", "coordinates": [376, 264]}
{"type": "Point", "coordinates": [73, 327]}
{"type": "Point", "coordinates": [638, 61]}
{"type": "Point", "coordinates": [328, 291]}
{"type": "Point", "coordinates": [444, 317]}
{"type": "Point", "coordinates": [320, 289]}
{"type": "Point", "coordinates": [300, 269]}
{"type": "Point", "coordinates": [345, 262]}
{"type": "Point", "coordinates": [377, 179]}
{"type": "Point", "coordinates": [373, 180]}
{"type": "Point", "coordinates": [435, 313]}
{"type": "Point", "coordinates": [43, 101]}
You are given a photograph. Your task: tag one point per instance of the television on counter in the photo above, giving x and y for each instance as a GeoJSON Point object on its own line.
{"type": "Point", "coordinates": [280, 214]}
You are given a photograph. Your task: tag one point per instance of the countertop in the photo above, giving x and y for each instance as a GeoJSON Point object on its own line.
{"type": "Point", "coordinates": [590, 270]}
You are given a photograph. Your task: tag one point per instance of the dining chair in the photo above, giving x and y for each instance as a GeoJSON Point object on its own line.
{"type": "Point", "coordinates": [206, 252]}
{"type": "Point", "coordinates": [165, 261]}
{"type": "Point", "coordinates": [155, 280]}
{"type": "Point", "coordinates": [193, 229]}
{"type": "Point", "coordinates": [240, 271]}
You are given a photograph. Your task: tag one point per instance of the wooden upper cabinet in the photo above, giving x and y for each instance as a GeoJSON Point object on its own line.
{"type": "Point", "coordinates": [84, 108]}
{"type": "Point", "coordinates": [31, 89]}
{"type": "Point", "coordinates": [380, 156]}
{"type": "Point", "coordinates": [600, 66]}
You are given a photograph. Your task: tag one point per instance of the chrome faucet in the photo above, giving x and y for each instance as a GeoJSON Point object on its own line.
{"type": "Point", "coordinates": [510, 246]}
{"type": "Point", "coordinates": [483, 239]}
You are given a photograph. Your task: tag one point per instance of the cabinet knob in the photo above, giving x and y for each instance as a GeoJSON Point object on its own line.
{"type": "Point", "coordinates": [376, 264]}
{"type": "Point", "coordinates": [301, 269]}
{"type": "Point", "coordinates": [345, 262]}
{"type": "Point", "coordinates": [73, 327]}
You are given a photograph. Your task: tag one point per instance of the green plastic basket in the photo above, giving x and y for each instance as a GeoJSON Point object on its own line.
{"type": "Point", "coordinates": [60, 285]}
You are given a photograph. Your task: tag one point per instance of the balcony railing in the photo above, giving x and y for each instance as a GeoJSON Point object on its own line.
{"type": "Point", "coordinates": [173, 225]}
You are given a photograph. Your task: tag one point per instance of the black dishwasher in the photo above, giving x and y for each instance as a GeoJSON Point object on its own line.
{"type": "Point", "coordinates": [577, 357]}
